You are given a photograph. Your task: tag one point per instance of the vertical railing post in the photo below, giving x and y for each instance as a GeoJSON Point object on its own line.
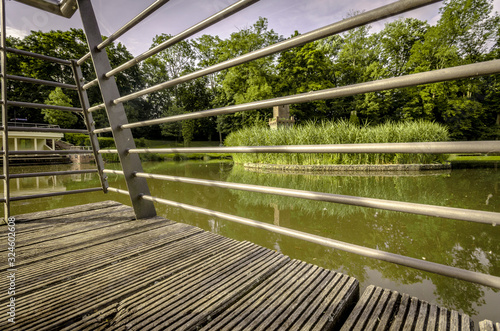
{"type": "Point", "coordinates": [116, 114]}
{"type": "Point", "coordinates": [89, 122]}
{"type": "Point", "coordinates": [5, 131]}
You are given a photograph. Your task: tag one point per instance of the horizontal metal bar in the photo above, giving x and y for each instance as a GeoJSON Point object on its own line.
{"type": "Point", "coordinates": [47, 195]}
{"type": "Point", "coordinates": [90, 84]}
{"type": "Point", "coordinates": [440, 269]}
{"type": "Point", "coordinates": [114, 172]}
{"type": "Point", "coordinates": [41, 82]}
{"type": "Point", "coordinates": [103, 130]}
{"type": "Point", "coordinates": [37, 56]}
{"type": "Point", "coordinates": [56, 130]}
{"type": "Point", "coordinates": [108, 151]}
{"type": "Point", "coordinates": [83, 59]}
{"type": "Point", "coordinates": [64, 8]}
{"type": "Point", "coordinates": [449, 147]}
{"type": "Point", "coordinates": [116, 190]}
{"type": "Point", "coordinates": [234, 8]}
{"type": "Point", "coordinates": [460, 72]}
{"type": "Point", "coordinates": [42, 106]}
{"type": "Point", "coordinates": [93, 109]}
{"type": "Point", "coordinates": [56, 152]}
{"type": "Point", "coordinates": [136, 20]}
{"type": "Point", "coordinates": [396, 8]}
{"type": "Point", "coordinates": [53, 173]}
{"type": "Point", "coordinates": [405, 207]}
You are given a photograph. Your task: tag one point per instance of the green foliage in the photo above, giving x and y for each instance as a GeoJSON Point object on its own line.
{"type": "Point", "coordinates": [79, 139]}
{"type": "Point", "coordinates": [340, 132]}
{"type": "Point", "coordinates": [467, 32]}
{"type": "Point", "coordinates": [64, 119]}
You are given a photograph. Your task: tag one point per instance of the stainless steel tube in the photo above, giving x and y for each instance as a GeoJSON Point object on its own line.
{"type": "Point", "coordinates": [41, 82]}
{"type": "Point", "coordinates": [47, 195]}
{"type": "Point", "coordinates": [395, 8]}
{"type": "Point", "coordinates": [34, 129]}
{"type": "Point", "coordinates": [56, 152]}
{"type": "Point", "coordinates": [93, 109]}
{"type": "Point", "coordinates": [37, 56]}
{"type": "Point", "coordinates": [448, 147]}
{"type": "Point", "coordinates": [466, 71]}
{"type": "Point", "coordinates": [136, 20]}
{"type": "Point", "coordinates": [476, 216]}
{"type": "Point", "coordinates": [470, 276]}
{"type": "Point", "coordinates": [42, 106]}
{"type": "Point", "coordinates": [53, 173]}
{"type": "Point", "coordinates": [234, 8]}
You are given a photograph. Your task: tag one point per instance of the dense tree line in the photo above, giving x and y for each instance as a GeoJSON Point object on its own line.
{"type": "Point", "coordinates": [467, 32]}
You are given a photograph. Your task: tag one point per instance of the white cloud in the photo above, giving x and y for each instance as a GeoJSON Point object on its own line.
{"type": "Point", "coordinates": [13, 32]}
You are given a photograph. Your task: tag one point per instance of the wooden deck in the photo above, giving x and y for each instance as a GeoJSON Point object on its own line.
{"type": "Point", "coordinates": [93, 267]}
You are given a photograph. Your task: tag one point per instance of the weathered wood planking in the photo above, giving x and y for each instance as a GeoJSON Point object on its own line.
{"type": "Point", "coordinates": [382, 309]}
{"type": "Point", "coordinates": [489, 326]}
{"type": "Point", "coordinates": [93, 267]}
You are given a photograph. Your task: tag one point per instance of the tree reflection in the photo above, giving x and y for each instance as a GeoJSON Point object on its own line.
{"type": "Point", "coordinates": [460, 244]}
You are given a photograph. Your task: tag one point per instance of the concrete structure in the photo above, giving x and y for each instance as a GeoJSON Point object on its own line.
{"type": "Point", "coordinates": [281, 117]}
{"type": "Point", "coordinates": [32, 141]}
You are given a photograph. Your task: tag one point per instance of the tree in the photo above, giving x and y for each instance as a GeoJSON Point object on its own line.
{"type": "Point", "coordinates": [64, 119]}
{"type": "Point", "coordinates": [250, 81]}
{"type": "Point", "coordinates": [69, 45]}
{"type": "Point", "coordinates": [304, 69]}
{"type": "Point", "coordinates": [462, 36]}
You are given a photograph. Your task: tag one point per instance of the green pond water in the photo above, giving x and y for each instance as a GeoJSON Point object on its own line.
{"type": "Point", "coordinates": [456, 243]}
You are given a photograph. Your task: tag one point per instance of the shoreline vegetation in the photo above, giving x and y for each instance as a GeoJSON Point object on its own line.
{"type": "Point", "coordinates": [339, 132]}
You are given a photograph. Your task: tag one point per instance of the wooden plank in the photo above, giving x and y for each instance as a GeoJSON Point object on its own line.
{"type": "Point", "coordinates": [79, 241]}
{"type": "Point", "coordinates": [29, 217]}
{"type": "Point", "coordinates": [336, 305]}
{"type": "Point", "coordinates": [68, 225]}
{"type": "Point", "coordinates": [300, 309]}
{"type": "Point", "coordinates": [297, 296]}
{"type": "Point", "coordinates": [257, 298]}
{"type": "Point", "coordinates": [422, 316]}
{"type": "Point", "coordinates": [400, 312]}
{"type": "Point", "coordinates": [54, 270]}
{"type": "Point", "coordinates": [118, 310]}
{"type": "Point", "coordinates": [489, 326]}
{"type": "Point", "coordinates": [411, 316]}
{"type": "Point", "coordinates": [71, 300]}
{"type": "Point", "coordinates": [222, 299]}
{"type": "Point", "coordinates": [387, 314]}
{"type": "Point", "coordinates": [381, 309]}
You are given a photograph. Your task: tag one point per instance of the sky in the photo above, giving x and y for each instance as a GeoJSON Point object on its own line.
{"type": "Point", "coordinates": [284, 16]}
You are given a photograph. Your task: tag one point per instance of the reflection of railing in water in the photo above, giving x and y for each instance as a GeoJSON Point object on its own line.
{"type": "Point", "coordinates": [138, 190]}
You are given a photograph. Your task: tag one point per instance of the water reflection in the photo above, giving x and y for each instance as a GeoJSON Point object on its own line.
{"type": "Point", "coordinates": [461, 244]}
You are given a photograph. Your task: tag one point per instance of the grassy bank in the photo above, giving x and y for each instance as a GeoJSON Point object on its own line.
{"type": "Point", "coordinates": [340, 132]}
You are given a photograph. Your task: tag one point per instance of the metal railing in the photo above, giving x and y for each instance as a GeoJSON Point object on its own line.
{"type": "Point", "coordinates": [135, 177]}
{"type": "Point", "coordinates": [21, 126]}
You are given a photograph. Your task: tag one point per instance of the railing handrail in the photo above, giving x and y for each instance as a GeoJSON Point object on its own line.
{"type": "Point", "coordinates": [28, 124]}
{"type": "Point", "coordinates": [138, 191]}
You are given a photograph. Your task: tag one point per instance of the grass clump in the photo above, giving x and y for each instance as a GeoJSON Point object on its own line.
{"type": "Point", "coordinates": [340, 132]}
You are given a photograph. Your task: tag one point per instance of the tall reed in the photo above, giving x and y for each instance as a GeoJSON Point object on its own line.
{"type": "Point", "coordinates": [339, 132]}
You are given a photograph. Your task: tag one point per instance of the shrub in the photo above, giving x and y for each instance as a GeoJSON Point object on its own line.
{"type": "Point", "coordinates": [340, 132]}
